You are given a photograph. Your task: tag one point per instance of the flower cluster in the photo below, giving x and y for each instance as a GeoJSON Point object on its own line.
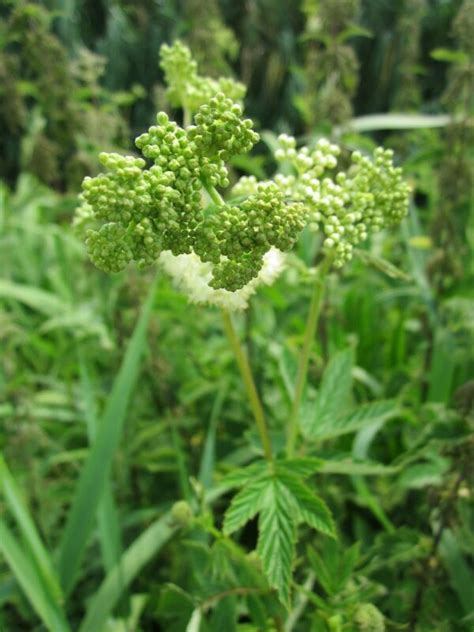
{"type": "Point", "coordinates": [188, 89]}
{"type": "Point", "coordinates": [145, 211]}
{"type": "Point", "coordinates": [165, 207]}
{"type": "Point", "coordinates": [345, 206]}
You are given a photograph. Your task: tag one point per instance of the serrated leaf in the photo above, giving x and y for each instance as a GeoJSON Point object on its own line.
{"type": "Point", "coordinates": [311, 508]}
{"type": "Point", "coordinates": [348, 562]}
{"type": "Point", "coordinates": [304, 467]}
{"type": "Point", "coordinates": [319, 567]}
{"type": "Point", "coordinates": [424, 474]}
{"type": "Point", "coordinates": [334, 394]}
{"type": "Point", "coordinates": [240, 477]}
{"type": "Point", "coordinates": [276, 538]}
{"type": "Point", "coordinates": [356, 419]}
{"type": "Point", "coordinates": [245, 505]}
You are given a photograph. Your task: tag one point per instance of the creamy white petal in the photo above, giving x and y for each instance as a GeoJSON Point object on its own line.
{"type": "Point", "coordinates": [192, 276]}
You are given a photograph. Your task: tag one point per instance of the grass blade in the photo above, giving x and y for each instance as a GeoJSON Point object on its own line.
{"type": "Point", "coordinates": [206, 468]}
{"type": "Point", "coordinates": [143, 549]}
{"type": "Point", "coordinates": [32, 540]}
{"type": "Point", "coordinates": [96, 470]}
{"type": "Point", "coordinates": [375, 122]}
{"type": "Point", "coordinates": [138, 554]}
{"type": "Point", "coordinates": [107, 514]}
{"type": "Point", "coordinates": [29, 580]}
{"type": "Point", "coordinates": [42, 301]}
{"type": "Point", "coordinates": [460, 574]}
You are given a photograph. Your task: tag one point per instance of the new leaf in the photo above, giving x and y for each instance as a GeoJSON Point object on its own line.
{"type": "Point", "coordinates": [282, 500]}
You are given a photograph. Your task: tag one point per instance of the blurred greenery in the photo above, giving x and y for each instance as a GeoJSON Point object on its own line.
{"type": "Point", "coordinates": [117, 405]}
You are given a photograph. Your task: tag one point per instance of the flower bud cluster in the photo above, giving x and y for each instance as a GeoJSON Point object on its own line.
{"type": "Point", "coordinates": [220, 132]}
{"type": "Point", "coordinates": [160, 208]}
{"type": "Point", "coordinates": [246, 231]}
{"type": "Point", "coordinates": [188, 89]}
{"type": "Point", "coordinates": [136, 212]}
{"type": "Point", "coordinates": [153, 208]}
{"type": "Point", "coordinates": [345, 206]}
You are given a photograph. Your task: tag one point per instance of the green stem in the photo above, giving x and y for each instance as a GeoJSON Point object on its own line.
{"type": "Point", "coordinates": [214, 194]}
{"type": "Point", "coordinates": [242, 359]}
{"type": "Point", "coordinates": [249, 382]}
{"type": "Point", "coordinates": [311, 324]}
{"type": "Point", "coordinates": [187, 117]}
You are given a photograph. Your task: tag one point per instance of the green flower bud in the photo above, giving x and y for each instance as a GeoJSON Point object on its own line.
{"type": "Point", "coordinates": [368, 618]}
{"type": "Point", "coordinates": [182, 514]}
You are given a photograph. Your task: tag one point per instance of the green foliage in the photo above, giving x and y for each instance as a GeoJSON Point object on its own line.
{"type": "Point", "coordinates": [55, 115]}
{"type": "Point", "coordinates": [331, 65]}
{"type": "Point", "coordinates": [277, 493]}
{"type": "Point", "coordinates": [157, 425]}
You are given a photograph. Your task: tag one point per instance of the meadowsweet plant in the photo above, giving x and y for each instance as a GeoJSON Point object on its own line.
{"type": "Point", "coordinates": [169, 207]}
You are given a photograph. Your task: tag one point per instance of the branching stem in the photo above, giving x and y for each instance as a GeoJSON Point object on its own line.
{"type": "Point", "coordinates": [214, 195]}
{"type": "Point", "coordinates": [311, 324]}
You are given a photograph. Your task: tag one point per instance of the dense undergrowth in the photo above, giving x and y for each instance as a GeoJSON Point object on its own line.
{"type": "Point", "coordinates": [125, 424]}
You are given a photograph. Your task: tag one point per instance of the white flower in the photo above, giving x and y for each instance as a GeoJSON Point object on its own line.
{"type": "Point", "coordinates": [192, 276]}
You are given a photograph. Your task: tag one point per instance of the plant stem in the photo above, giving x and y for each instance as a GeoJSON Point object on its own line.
{"type": "Point", "coordinates": [311, 324]}
{"type": "Point", "coordinates": [187, 117]}
{"type": "Point", "coordinates": [214, 195]}
{"type": "Point", "coordinates": [249, 382]}
{"type": "Point", "coordinates": [242, 359]}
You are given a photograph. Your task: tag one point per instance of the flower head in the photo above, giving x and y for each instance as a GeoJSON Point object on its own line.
{"type": "Point", "coordinates": [157, 208]}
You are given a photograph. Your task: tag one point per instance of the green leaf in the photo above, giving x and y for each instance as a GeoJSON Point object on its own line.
{"type": "Point", "coordinates": [107, 513]}
{"type": "Point", "coordinates": [224, 615]}
{"type": "Point", "coordinates": [206, 469]}
{"type": "Point", "coordinates": [382, 265]}
{"type": "Point", "coordinates": [28, 577]}
{"type": "Point", "coordinates": [304, 466]}
{"type": "Point", "coordinates": [362, 416]}
{"type": "Point", "coordinates": [450, 56]}
{"type": "Point", "coordinates": [36, 549]}
{"type": "Point", "coordinates": [353, 30]}
{"type": "Point", "coordinates": [334, 393]}
{"type": "Point", "coordinates": [276, 538]}
{"type": "Point", "coordinates": [42, 301]}
{"type": "Point", "coordinates": [424, 474]}
{"type": "Point", "coordinates": [460, 574]}
{"type": "Point", "coordinates": [349, 467]}
{"type": "Point", "coordinates": [348, 561]}
{"type": "Point", "coordinates": [194, 624]}
{"type": "Point", "coordinates": [443, 366]}
{"type": "Point", "coordinates": [139, 553]}
{"type": "Point", "coordinates": [374, 122]}
{"type": "Point", "coordinates": [96, 470]}
{"type": "Point", "coordinates": [240, 477]}
{"type": "Point", "coordinates": [322, 572]}
{"type": "Point", "coordinates": [245, 505]}
{"type": "Point", "coordinates": [282, 499]}
{"type": "Point", "coordinates": [311, 508]}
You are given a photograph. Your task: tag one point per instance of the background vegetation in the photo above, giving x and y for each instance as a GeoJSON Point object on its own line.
{"type": "Point", "coordinates": [162, 398]}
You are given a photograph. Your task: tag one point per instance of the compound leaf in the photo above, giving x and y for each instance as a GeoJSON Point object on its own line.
{"type": "Point", "coordinates": [310, 507]}
{"type": "Point", "coordinates": [277, 537]}
{"type": "Point", "coordinates": [245, 505]}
